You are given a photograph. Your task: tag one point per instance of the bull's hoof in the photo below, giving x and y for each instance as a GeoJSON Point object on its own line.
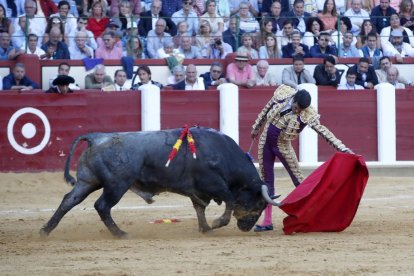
{"type": "Point", "coordinates": [205, 230]}
{"type": "Point", "coordinates": [43, 233]}
{"type": "Point", "coordinates": [120, 234]}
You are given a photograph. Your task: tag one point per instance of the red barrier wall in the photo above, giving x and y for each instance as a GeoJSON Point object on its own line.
{"type": "Point", "coordinates": [351, 116]}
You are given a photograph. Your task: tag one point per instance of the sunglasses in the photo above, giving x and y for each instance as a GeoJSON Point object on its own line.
{"type": "Point", "coordinates": [216, 71]}
{"type": "Point", "coordinates": [187, 3]}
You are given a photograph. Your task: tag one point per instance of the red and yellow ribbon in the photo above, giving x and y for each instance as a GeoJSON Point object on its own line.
{"type": "Point", "coordinates": [191, 144]}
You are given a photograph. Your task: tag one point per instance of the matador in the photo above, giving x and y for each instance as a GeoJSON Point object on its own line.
{"type": "Point", "coordinates": [284, 117]}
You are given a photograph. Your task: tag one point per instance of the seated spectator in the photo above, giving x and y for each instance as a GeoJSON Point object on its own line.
{"type": "Point", "coordinates": [240, 72]}
{"type": "Point", "coordinates": [189, 51]}
{"type": "Point", "coordinates": [295, 47]}
{"type": "Point", "coordinates": [407, 14]}
{"type": "Point", "coordinates": [233, 34]}
{"type": "Point", "coordinates": [370, 50]}
{"type": "Point", "coordinates": [323, 49]}
{"type": "Point", "coordinates": [5, 23]}
{"type": "Point", "coordinates": [54, 21]}
{"type": "Point", "coordinates": [108, 50]}
{"type": "Point", "coordinates": [7, 51]}
{"type": "Point", "coordinates": [366, 29]}
{"type": "Point", "coordinates": [215, 76]}
{"type": "Point", "coordinates": [120, 82]}
{"type": "Point", "coordinates": [80, 50]}
{"type": "Point", "coordinates": [392, 78]}
{"type": "Point", "coordinates": [298, 16]}
{"type": "Point", "coordinates": [397, 48]}
{"type": "Point", "coordinates": [247, 22]}
{"type": "Point", "coordinates": [357, 15]}
{"type": "Point", "coordinates": [270, 49]}
{"type": "Point", "coordinates": [98, 79]}
{"type": "Point", "coordinates": [385, 64]}
{"type": "Point", "coordinates": [32, 47]}
{"type": "Point", "coordinates": [365, 73]}
{"type": "Point", "coordinates": [191, 81]}
{"type": "Point", "coordinates": [97, 21]}
{"type": "Point", "coordinates": [117, 8]}
{"type": "Point", "coordinates": [395, 26]}
{"type": "Point", "coordinates": [283, 36]}
{"type": "Point", "coordinates": [212, 17]}
{"type": "Point", "coordinates": [113, 26]}
{"type": "Point", "coordinates": [350, 82]}
{"type": "Point", "coordinates": [326, 73]}
{"type": "Point", "coordinates": [314, 26]}
{"type": "Point", "coordinates": [275, 16]}
{"type": "Point", "coordinates": [263, 76]}
{"type": "Point", "coordinates": [265, 31]}
{"type": "Point", "coordinates": [366, 5]}
{"type": "Point", "coordinates": [68, 20]}
{"type": "Point", "coordinates": [156, 38]}
{"type": "Point", "coordinates": [182, 30]}
{"type": "Point", "coordinates": [329, 16]}
{"type": "Point", "coordinates": [252, 7]}
{"type": "Point", "coordinates": [126, 11]}
{"type": "Point", "coordinates": [148, 20]}
{"type": "Point", "coordinates": [19, 35]}
{"type": "Point", "coordinates": [247, 48]}
{"type": "Point", "coordinates": [297, 73]}
{"type": "Point", "coordinates": [178, 74]}
{"type": "Point", "coordinates": [17, 79]}
{"type": "Point", "coordinates": [204, 37]}
{"type": "Point", "coordinates": [144, 75]}
{"type": "Point", "coordinates": [54, 48]}
{"type": "Point", "coordinates": [82, 21]}
{"type": "Point", "coordinates": [380, 15]}
{"type": "Point", "coordinates": [61, 85]}
{"type": "Point", "coordinates": [346, 49]}
{"type": "Point", "coordinates": [218, 48]}
{"type": "Point", "coordinates": [187, 14]}
{"type": "Point", "coordinates": [344, 26]}
{"type": "Point", "coordinates": [36, 23]}
{"type": "Point", "coordinates": [64, 69]}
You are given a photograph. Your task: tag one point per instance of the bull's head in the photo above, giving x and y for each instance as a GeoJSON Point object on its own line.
{"type": "Point", "coordinates": [248, 207]}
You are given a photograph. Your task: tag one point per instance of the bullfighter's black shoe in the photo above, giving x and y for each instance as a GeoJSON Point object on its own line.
{"type": "Point", "coordinates": [260, 228]}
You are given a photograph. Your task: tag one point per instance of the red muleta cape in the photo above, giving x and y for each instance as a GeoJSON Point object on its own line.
{"type": "Point", "coordinates": [327, 200]}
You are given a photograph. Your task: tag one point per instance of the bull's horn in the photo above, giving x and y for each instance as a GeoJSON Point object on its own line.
{"type": "Point", "coordinates": [265, 194]}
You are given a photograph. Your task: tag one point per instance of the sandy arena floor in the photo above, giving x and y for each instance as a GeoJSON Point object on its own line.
{"type": "Point", "coordinates": [380, 241]}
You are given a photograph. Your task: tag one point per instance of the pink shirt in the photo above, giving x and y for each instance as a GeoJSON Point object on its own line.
{"type": "Point", "coordinates": [233, 72]}
{"type": "Point", "coordinates": [103, 52]}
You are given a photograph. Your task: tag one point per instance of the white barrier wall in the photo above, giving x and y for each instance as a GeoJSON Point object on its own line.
{"type": "Point", "coordinates": [229, 110]}
{"type": "Point", "coordinates": [387, 144]}
{"type": "Point", "coordinates": [150, 107]}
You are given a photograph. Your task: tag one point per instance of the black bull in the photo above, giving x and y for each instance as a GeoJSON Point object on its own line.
{"type": "Point", "coordinates": [118, 162]}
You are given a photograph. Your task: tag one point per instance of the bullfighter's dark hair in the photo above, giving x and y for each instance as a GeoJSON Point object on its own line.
{"type": "Point", "coordinates": [302, 98]}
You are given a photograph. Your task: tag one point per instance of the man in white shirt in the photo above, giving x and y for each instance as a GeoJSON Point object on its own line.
{"type": "Point", "coordinates": [37, 24]}
{"type": "Point", "coordinates": [191, 81]}
{"type": "Point", "coordinates": [350, 82]}
{"type": "Point", "coordinates": [397, 48]}
{"type": "Point", "coordinates": [121, 83]}
{"type": "Point", "coordinates": [357, 15]}
{"type": "Point", "coordinates": [385, 64]}
{"type": "Point", "coordinates": [263, 76]}
{"type": "Point", "coordinates": [392, 77]}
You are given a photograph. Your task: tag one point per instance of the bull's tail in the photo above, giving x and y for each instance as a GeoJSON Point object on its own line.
{"type": "Point", "coordinates": [68, 178]}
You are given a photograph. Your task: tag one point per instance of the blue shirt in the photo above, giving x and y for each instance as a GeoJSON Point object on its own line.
{"type": "Point", "coordinates": [315, 51]}
{"type": "Point", "coordinates": [9, 81]}
{"type": "Point", "coordinates": [4, 53]}
{"type": "Point", "coordinates": [61, 52]}
{"type": "Point", "coordinates": [351, 52]}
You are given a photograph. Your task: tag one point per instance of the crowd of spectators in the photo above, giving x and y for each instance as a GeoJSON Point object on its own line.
{"type": "Point", "coordinates": [212, 29]}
